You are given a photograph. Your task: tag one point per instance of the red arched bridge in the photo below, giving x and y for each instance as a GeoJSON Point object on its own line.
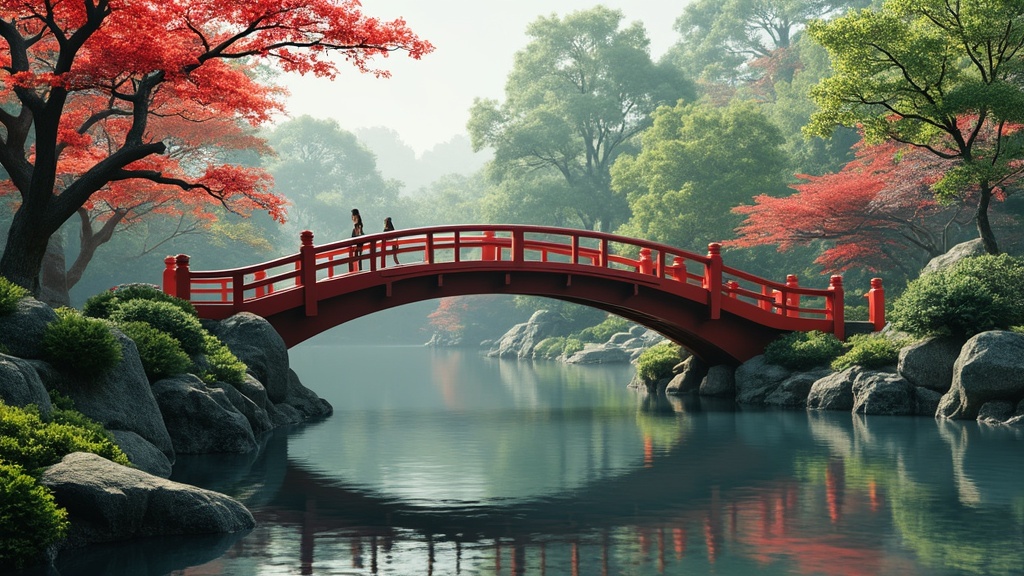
{"type": "Point", "coordinates": [722, 314]}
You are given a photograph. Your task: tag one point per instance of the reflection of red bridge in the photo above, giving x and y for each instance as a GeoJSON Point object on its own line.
{"type": "Point", "coordinates": [720, 313]}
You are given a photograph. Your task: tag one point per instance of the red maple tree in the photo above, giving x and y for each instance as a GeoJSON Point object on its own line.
{"type": "Point", "coordinates": [102, 95]}
{"type": "Point", "coordinates": [879, 212]}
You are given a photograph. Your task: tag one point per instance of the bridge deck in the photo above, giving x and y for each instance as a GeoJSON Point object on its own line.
{"type": "Point", "coordinates": [320, 273]}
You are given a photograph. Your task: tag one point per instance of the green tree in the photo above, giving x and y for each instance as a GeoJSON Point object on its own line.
{"type": "Point", "coordinates": [325, 171]}
{"type": "Point", "coordinates": [576, 96]}
{"type": "Point", "coordinates": [697, 163]}
{"type": "Point", "coordinates": [451, 199]}
{"type": "Point", "coordinates": [943, 76]}
{"type": "Point", "coordinates": [719, 38]}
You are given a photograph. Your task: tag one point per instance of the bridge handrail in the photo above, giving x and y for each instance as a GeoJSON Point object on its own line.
{"type": "Point", "coordinates": [509, 244]}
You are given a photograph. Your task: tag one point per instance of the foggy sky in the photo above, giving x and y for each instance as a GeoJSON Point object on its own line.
{"type": "Point", "coordinates": [428, 101]}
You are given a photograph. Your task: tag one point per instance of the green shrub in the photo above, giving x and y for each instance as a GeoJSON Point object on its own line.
{"type": "Point", "coordinates": [165, 317]}
{"type": "Point", "coordinates": [945, 305]}
{"type": "Point", "coordinates": [657, 361]}
{"type": "Point", "coordinates": [869, 351]}
{"type": "Point", "coordinates": [103, 304]}
{"type": "Point", "coordinates": [572, 346]}
{"type": "Point", "coordinates": [10, 294]}
{"type": "Point", "coordinates": [224, 366]}
{"type": "Point", "coordinates": [161, 353]}
{"type": "Point", "coordinates": [80, 345]}
{"type": "Point", "coordinates": [802, 350]}
{"type": "Point", "coordinates": [32, 443]}
{"type": "Point", "coordinates": [549, 348]}
{"type": "Point", "coordinates": [974, 295]}
{"type": "Point", "coordinates": [603, 331]}
{"type": "Point", "coordinates": [30, 519]}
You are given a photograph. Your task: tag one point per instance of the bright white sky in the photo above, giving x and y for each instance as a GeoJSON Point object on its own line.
{"type": "Point", "coordinates": [428, 101]}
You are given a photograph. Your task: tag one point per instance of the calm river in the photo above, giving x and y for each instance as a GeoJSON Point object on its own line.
{"type": "Point", "coordinates": [442, 462]}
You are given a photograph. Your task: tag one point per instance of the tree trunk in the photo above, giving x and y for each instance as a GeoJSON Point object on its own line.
{"type": "Point", "coordinates": [23, 255]}
{"type": "Point", "coordinates": [53, 289]}
{"type": "Point", "coordinates": [988, 238]}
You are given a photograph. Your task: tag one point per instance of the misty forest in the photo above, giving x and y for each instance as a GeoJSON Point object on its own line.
{"type": "Point", "coordinates": [810, 137]}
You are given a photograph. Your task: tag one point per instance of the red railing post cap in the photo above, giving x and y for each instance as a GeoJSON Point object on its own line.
{"type": "Point", "coordinates": [306, 236]}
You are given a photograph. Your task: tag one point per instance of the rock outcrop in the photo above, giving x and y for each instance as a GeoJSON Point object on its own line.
{"type": "Point", "coordinates": [20, 385]}
{"type": "Point", "coordinates": [121, 399]}
{"type": "Point", "coordinates": [108, 502]}
{"type": "Point", "coordinates": [21, 332]}
{"type": "Point", "coordinates": [988, 368]}
{"type": "Point", "coordinates": [201, 418]}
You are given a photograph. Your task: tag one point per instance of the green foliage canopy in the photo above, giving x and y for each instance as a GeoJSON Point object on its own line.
{"type": "Point", "coordinates": [939, 75]}
{"type": "Point", "coordinates": [697, 163]}
{"type": "Point", "coordinates": [576, 96]}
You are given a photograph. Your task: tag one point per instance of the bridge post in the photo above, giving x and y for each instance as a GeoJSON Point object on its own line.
{"type": "Point", "coordinates": [835, 306]}
{"type": "Point", "coordinates": [675, 270]}
{"type": "Point", "coordinates": [792, 300]}
{"type": "Point", "coordinates": [645, 265]}
{"type": "Point", "coordinates": [518, 246]}
{"type": "Point", "coordinates": [182, 278]}
{"type": "Point", "coordinates": [168, 278]}
{"type": "Point", "coordinates": [713, 280]}
{"type": "Point", "coordinates": [488, 252]}
{"type": "Point", "coordinates": [876, 304]}
{"type": "Point", "coordinates": [307, 273]}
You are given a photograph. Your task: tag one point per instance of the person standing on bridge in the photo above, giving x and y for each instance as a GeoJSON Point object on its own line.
{"type": "Point", "coordinates": [357, 249]}
{"type": "Point", "coordinates": [388, 227]}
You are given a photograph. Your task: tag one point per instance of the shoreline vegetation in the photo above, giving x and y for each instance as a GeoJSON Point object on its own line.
{"type": "Point", "coordinates": [96, 404]}
{"type": "Point", "coordinates": [954, 348]}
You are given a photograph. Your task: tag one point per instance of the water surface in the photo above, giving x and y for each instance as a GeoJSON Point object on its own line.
{"type": "Point", "coordinates": [448, 463]}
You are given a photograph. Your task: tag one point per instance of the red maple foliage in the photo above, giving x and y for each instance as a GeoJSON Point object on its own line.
{"type": "Point", "coordinates": [102, 97]}
{"type": "Point", "coordinates": [879, 212]}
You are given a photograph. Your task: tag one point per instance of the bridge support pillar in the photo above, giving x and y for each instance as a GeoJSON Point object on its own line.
{"type": "Point", "coordinates": [168, 277]}
{"type": "Point", "coordinates": [834, 305]}
{"type": "Point", "coordinates": [713, 280]}
{"type": "Point", "coordinates": [182, 277]}
{"type": "Point", "coordinates": [307, 258]}
{"type": "Point", "coordinates": [876, 304]}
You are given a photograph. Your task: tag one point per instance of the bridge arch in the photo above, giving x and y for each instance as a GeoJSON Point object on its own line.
{"type": "Point", "coordinates": [720, 313]}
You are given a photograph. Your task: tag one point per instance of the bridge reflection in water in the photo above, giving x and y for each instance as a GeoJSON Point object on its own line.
{"type": "Point", "coordinates": [775, 492]}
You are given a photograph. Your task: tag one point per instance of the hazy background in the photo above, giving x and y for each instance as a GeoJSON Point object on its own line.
{"type": "Point", "coordinates": [427, 101]}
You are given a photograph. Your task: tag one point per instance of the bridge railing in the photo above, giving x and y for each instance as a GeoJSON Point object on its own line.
{"type": "Point", "coordinates": [696, 276]}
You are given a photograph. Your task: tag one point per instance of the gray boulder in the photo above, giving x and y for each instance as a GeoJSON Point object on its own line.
{"type": "Point", "coordinates": [21, 331]}
{"type": "Point", "coordinates": [883, 393]}
{"type": "Point", "coordinates": [304, 401]}
{"type": "Point", "coordinates": [620, 338]}
{"type": "Point", "coordinates": [142, 454]}
{"type": "Point", "coordinates": [20, 385]}
{"type": "Point", "coordinates": [521, 339]}
{"type": "Point", "coordinates": [599, 354]}
{"type": "Point", "coordinates": [929, 363]}
{"type": "Point", "coordinates": [756, 379]}
{"type": "Point", "coordinates": [254, 341]}
{"type": "Point", "coordinates": [201, 419]}
{"type": "Point", "coordinates": [257, 417]}
{"type": "Point", "coordinates": [121, 399]}
{"type": "Point", "coordinates": [720, 382]}
{"type": "Point", "coordinates": [927, 401]}
{"type": "Point", "coordinates": [793, 391]}
{"type": "Point", "coordinates": [988, 368]}
{"type": "Point", "coordinates": [107, 502]}
{"type": "Point", "coordinates": [996, 412]}
{"type": "Point", "coordinates": [692, 372]}
{"type": "Point", "coordinates": [955, 254]}
{"type": "Point", "coordinates": [252, 389]}
{"type": "Point", "coordinates": [833, 392]}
